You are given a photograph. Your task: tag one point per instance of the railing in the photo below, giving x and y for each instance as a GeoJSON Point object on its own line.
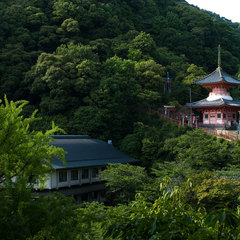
{"type": "Point", "coordinates": [229, 135]}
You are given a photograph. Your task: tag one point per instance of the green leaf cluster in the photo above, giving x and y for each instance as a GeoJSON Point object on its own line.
{"type": "Point", "coordinates": [25, 164]}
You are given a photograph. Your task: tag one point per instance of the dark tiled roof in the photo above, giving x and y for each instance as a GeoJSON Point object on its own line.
{"type": "Point", "coordinates": [218, 76]}
{"type": "Point", "coordinates": [83, 151]}
{"type": "Point", "coordinates": [218, 102]}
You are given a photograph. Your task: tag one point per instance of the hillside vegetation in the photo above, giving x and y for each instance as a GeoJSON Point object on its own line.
{"type": "Point", "coordinates": [88, 65]}
{"type": "Point", "coordinates": [92, 67]}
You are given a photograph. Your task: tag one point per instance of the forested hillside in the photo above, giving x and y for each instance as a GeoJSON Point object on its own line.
{"type": "Point", "coordinates": [189, 188]}
{"type": "Point", "coordinates": [92, 67]}
{"type": "Point", "coordinates": [88, 65]}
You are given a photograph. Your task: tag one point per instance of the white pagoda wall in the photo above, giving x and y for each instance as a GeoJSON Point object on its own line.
{"type": "Point", "coordinates": [219, 92]}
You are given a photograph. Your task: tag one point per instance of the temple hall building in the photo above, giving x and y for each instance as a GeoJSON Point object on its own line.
{"type": "Point", "coordinates": [85, 158]}
{"type": "Point", "coordinates": [219, 110]}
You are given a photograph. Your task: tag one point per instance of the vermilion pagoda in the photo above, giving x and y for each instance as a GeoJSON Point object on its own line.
{"type": "Point", "coordinates": [219, 109]}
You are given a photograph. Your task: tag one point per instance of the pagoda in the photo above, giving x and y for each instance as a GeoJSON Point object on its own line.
{"type": "Point", "coordinates": [219, 109]}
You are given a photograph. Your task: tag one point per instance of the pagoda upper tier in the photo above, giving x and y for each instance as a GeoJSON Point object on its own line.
{"type": "Point", "coordinates": [219, 82]}
{"type": "Point", "coordinates": [218, 78]}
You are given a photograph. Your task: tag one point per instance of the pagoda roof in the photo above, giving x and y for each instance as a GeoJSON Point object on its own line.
{"type": "Point", "coordinates": [216, 103]}
{"type": "Point", "coordinates": [216, 77]}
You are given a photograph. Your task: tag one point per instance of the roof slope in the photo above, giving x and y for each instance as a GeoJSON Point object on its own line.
{"type": "Point", "coordinates": [215, 103]}
{"type": "Point", "coordinates": [83, 151]}
{"type": "Point", "coordinates": [218, 76]}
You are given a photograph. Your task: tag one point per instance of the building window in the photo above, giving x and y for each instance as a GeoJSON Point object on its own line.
{"type": "Point", "coordinates": [234, 115]}
{"type": "Point", "coordinates": [84, 197]}
{"type": "Point", "coordinates": [224, 115]}
{"type": "Point", "coordinates": [206, 115]}
{"type": "Point", "coordinates": [94, 196]}
{"type": "Point", "coordinates": [62, 176]}
{"type": "Point", "coordinates": [102, 194]}
{"type": "Point", "coordinates": [74, 175]}
{"type": "Point", "coordinates": [95, 172]}
{"type": "Point", "coordinates": [229, 115]}
{"type": "Point", "coordinates": [85, 174]}
{"type": "Point", "coordinates": [212, 116]}
{"type": "Point", "coordinates": [219, 115]}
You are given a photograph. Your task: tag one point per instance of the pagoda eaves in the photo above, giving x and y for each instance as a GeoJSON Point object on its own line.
{"type": "Point", "coordinates": [216, 103]}
{"type": "Point", "coordinates": [218, 77]}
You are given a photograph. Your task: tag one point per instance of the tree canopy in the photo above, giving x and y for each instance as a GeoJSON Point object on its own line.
{"type": "Point", "coordinates": [62, 55]}
{"type": "Point", "coordinates": [93, 67]}
{"type": "Point", "coordinates": [25, 164]}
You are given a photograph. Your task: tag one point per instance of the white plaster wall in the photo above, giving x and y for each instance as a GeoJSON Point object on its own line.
{"type": "Point", "coordinates": [53, 181]}
{"type": "Point", "coordinates": [48, 183]}
{"type": "Point", "coordinates": [218, 96]}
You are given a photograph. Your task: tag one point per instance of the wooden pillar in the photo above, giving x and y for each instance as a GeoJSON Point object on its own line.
{"type": "Point", "coordinates": [179, 119]}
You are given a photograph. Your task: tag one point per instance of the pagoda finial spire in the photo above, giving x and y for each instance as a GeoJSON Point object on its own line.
{"type": "Point", "coordinates": [219, 56]}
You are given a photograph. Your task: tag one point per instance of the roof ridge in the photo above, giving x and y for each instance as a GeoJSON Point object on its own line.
{"type": "Point", "coordinates": [230, 75]}
{"type": "Point", "coordinates": [97, 159]}
{"type": "Point", "coordinates": [205, 77]}
{"type": "Point", "coordinates": [220, 74]}
{"type": "Point", "coordinates": [70, 136]}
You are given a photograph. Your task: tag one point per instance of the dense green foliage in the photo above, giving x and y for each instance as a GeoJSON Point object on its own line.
{"type": "Point", "coordinates": [23, 153]}
{"type": "Point", "coordinates": [123, 181]}
{"type": "Point", "coordinates": [25, 161]}
{"type": "Point", "coordinates": [169, 216]}
{"type": "Point", "coordinates": [143, 204]}
{"type": "Point", "coordinates": [88, 65]}
{"type": "Point", "coordinates": [93, 67]}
